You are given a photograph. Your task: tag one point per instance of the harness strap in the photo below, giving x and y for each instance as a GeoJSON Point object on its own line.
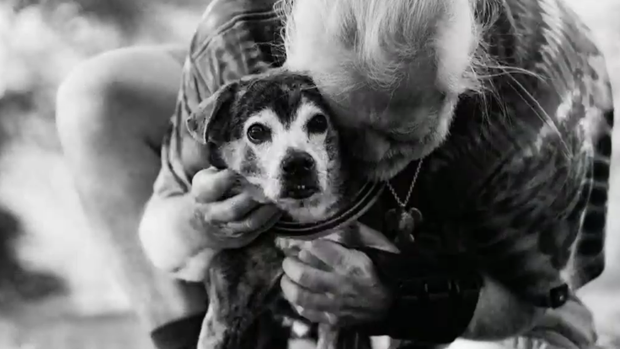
{"type": "Point", "coordinates": [363, 200]}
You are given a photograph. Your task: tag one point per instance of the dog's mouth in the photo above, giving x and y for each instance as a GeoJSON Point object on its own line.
{"type": "Point", "coordinates": [359, 201]}
{"type": "Point", "coordinates": [300, 191]}
{"type": "Point", "coordinates": [304, 200]}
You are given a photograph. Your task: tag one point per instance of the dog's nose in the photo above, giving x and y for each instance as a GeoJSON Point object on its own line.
{"type": "Point", "coordinates": [297, 164]}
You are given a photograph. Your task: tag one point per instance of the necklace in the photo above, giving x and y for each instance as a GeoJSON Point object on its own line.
{"type": "Point", "coordinates": [402, 220]}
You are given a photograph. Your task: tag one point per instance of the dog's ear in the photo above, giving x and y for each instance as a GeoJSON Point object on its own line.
{"type": "Point", "coordinates": [209, 123]}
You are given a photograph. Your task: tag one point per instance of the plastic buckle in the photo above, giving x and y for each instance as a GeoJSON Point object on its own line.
{"type": "Point", "coordinates": [466, 285]}
{"type": "Point", "coordinates": [555, 298]}
{"type": "Point", "coordinates": [436, 289]}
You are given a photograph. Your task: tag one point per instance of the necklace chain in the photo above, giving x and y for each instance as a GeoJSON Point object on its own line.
{"type": "Point", "coordinates": [403, 203]}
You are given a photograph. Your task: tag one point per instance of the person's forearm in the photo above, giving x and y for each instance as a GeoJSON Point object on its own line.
{"type": "Point", "coordinates": [500, 314]}
{"type": "Point", "coordinates": [438, 298]}
{"type": "Point", "coordinates": [171, 239]}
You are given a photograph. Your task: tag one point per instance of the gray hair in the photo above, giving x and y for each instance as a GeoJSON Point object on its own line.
{"type": "Point", "coordinates": [390, 46]}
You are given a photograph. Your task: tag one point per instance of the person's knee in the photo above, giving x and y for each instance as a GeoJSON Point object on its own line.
{"type": "Point", "coordinates": [85, 99]}
{"type": "Point", "coordinates": [128, 90]}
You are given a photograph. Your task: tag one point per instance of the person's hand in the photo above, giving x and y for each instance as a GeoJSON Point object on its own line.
{"type": "Point", "coordinates": [328, 283]}
{"type": "Point", "coordinates": [231, 221]}
{"type": "Point", "coordinates": [181, 234]}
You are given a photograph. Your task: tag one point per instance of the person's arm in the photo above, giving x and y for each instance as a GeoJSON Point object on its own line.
{"type": "Point", "coordinates": [187, 221]}
{"type": "Point", "coordinates": [173, 230]}
{"type": "Point", "coordinates": [171, 239]}
{"type": "Point", "coordinates": [193, 212]}
{"type": "Point", "coordinates": [496, 304]}
{"type": "Point", "coordinates": [436, 298]}
{"type": "Point", "coordinates": [169, 229]}
{"type": "Point", "coordinates": [521, 232]}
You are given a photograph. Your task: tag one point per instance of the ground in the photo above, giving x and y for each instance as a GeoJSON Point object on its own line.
{"type": "Point", "coordinates": [35, 186]}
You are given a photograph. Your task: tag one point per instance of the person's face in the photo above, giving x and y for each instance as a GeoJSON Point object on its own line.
{"type": "Point", "coordinates": [387, 132]}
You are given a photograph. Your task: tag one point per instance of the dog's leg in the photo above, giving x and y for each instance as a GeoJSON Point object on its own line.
{"type": "Point", "coordinates": [240, 285]}
{"type": "Point", "coordinates": [328, 337]}
{"type": "Point", "coordinates": [353, 235]}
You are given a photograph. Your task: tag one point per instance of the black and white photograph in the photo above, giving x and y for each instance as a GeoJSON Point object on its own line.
{"type": "Point", "coordinates": [309, 174]}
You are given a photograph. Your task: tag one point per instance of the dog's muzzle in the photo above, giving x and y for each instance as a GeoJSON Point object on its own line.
{"type": "Point", "coordinates": [299, 177]}
{"type": "Point", "coordinates": [362, 201]}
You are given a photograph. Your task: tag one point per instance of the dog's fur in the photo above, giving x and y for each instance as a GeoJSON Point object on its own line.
{"type": "Point", "coordinates": [284, 104]}
{"type": "Point", "coordinates": [294, 123]}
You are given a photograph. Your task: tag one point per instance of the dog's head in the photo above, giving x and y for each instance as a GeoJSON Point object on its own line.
{"type": "Point", "coordinates": [275, 130]}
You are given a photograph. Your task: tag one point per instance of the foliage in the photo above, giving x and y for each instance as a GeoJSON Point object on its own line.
{"type": "Point", "coordinates": [40, 42]}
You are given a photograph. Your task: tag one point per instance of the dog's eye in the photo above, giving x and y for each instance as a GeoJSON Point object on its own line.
{"type": "Point", "coordinates": [318, 124]}
{"type": "Point", "coordinates": [258, 133]}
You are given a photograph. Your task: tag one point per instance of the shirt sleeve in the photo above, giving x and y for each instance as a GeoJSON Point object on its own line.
{"type": "Point", "coordinates": [181, 155]}
{"type": "Point", "coordinates": [232, 40]}
{"type": "Point", "coordinates": [540, 215]}
{"type": "Point", "coordinates": [539, 218]}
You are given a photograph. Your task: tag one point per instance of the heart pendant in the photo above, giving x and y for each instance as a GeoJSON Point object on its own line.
{"type": "Point", "coordinates": [403, 223]}
{"type": "Point", "coordinates": [390, 221]}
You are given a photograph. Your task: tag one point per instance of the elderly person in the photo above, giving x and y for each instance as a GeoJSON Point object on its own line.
{"type": "Point", "coordinates": [506, 102]}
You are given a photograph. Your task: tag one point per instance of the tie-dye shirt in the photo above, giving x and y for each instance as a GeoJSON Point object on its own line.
{"type": "Point", "coordinates": [521, 183]}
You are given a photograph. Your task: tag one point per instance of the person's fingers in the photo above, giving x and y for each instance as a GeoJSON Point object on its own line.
{"type": "Point", "coordinates": [306, 257]}
{"type": "Point", "coordinates": [259, 220]}
{"type": "Point", "coordinates": [231, 209]}
{"type": "Point", "coordinates": [333, 254]}
{"type": "Point", "coordinates": [211, 185]}
{"type": "Point", "coordinates": [306, 276]}
{"type": "Point", "coordinates": [301, 297]}
{"type": "Point", "coordinates": [371, 238]}
{"type": "Point", "coordinates": [318, 316]}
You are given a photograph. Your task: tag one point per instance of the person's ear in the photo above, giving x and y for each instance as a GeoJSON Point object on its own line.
{"type": "Point", "coordinates": [210, 123]}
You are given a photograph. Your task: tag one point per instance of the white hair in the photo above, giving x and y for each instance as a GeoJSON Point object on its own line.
{"type": "Point", "coordinates": [389, 45]}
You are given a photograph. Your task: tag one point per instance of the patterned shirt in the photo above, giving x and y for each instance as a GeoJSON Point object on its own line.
{"type": "Point", "coordinates": [521, 183]}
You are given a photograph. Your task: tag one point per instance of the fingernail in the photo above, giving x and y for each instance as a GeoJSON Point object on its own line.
{"type": "Point", "coordinates": [299, 309]}
{"type": "Point", "coordinates": [330, 295]}
{"type": "Point", "coordinates": [302, 254]}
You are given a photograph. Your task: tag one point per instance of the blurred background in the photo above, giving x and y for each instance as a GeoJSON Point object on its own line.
{"type": "Point", "coordinates": [55, 291]}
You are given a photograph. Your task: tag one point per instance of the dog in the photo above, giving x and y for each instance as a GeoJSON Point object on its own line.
{"type": "Point", "coordinates": [275, 131]}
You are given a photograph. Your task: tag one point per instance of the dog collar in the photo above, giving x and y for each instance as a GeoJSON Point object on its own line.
{"type": "Point", "coordinates": [364, 199]}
